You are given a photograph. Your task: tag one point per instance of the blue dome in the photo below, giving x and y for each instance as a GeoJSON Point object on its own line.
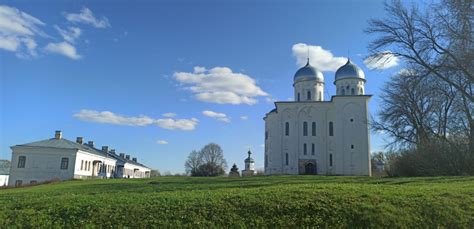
{"type": "Point", "coordinates": [349, 71]}
{"type": "Point", "coordinates": [308, 72]}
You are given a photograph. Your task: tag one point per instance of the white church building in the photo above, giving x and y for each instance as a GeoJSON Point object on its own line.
{"type": "Point", "coordinates": [61, 159]}
{"type": "Point", "coordinates": [314, 136]}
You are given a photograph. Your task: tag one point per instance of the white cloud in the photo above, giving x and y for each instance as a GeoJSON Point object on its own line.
{"type": "Point", "coordinates": [320, 58]}
{"type": "Point", "coordinates": [162, 142]}
{"type": "Point", "coordinates": [381, 61]}
{"type": "Point", "coordinates": [169, 115]}
{"type": "Point", "coordinates": [244, 117]}
{"type": "Point", "coordinates": [220, 85]}
{"type": "Point", "coordinates": [70, 34]}
{"type": "Point", "coordinates": [18, 30]}
{"type": "Point", "coordinates": [219, 116]}
{"type": "Point", "coordinates": [86, 16]}
{"type": "Point", "coordinates": [63, 48]}
{"type": "Point", "coordinates": [112, 118]}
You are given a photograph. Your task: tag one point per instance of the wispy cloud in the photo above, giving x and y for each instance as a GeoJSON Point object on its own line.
{"type": "Point", "coordinates": [218, 116]}
{"type": "Point", "coordinates": [169, 115]}
{"type": "Point", "coordinates": [87, 17]}
{"type": "Point", "coordinates": [244, 117]}
{"type": "Point", "coordinates": [142, 120]}
{"type": "Point", "coordinates": [381, 61]}
{"type": "Point", "coordinates": [63, 48]}
{"type": "Point", "coordinates": [18, 31]}
{"type": "Point", "coordinates": [70, 34]}
{"type": "Point", "coordinates": [320, 58]}
{"type": "Point", "coordinates": [161, 142]}
{"type": "Point", "coordinates": [220, 85]}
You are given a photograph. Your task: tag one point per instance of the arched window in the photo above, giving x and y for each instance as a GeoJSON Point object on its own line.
{"type": "Point", "coordinates": [312, 149]}
{"type": "Point", "coordinates": [320, 96]}
{"type": "Point", "coordinates": [305, 128]}
{"type": "Point", "coordinates": [352, 91]}
{"type": "Point", "coordinates": [343, 92]}
{"type": "Point", "coordinates": [313, 129]}
{"type": "Point", "coordinates": [308, 95]}
{"type": "Point", "coordinates": [331, 129]}
{"type": "Point", "coordinates": [330, 159]}
{"type": "Point", "coordinates": [287, 129]}
{"type": "Point", "coordinates": [286, 159]}
{"type": "Point", "coordinates": [305, 149]}
{"type": "Point", "coordinates": [298, 96]}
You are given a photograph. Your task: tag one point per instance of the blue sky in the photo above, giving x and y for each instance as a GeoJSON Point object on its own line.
{"type": "Point", "coordinates": [111, 71]}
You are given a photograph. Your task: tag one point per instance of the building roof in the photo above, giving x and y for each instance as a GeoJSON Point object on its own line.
{"type": "Point", "coordinates": [308, 72]}
{"type": "Point", "coordinates": [64, 144]}
{"type": "Point", "coordinates": [349, 71]}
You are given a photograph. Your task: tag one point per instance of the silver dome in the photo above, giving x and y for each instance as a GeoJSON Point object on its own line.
{"type": "Point", "coordinates": [308, 72]}
{"type": "Point", "coordinates": [349, 71]}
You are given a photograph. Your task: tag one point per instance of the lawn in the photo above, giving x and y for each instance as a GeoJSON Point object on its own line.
{"type": "Point", "coordinates": [278, 201]}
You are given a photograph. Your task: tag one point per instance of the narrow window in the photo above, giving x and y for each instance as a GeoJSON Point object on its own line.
{"type": "Point", "coordinates": [352, 146]}
{"type": "Point", "coordinates": [343, 92]}
{"type": "Point", "coordinates": [304, 149]}
{"type": "Point", "coordinates": [298, 96]}
{"type": "Point", "coordinates": [331, 129]}
{"type": "Point", "coordinates": [360, 91]}
{"type": "Point", "coordinates": [266, 160]}
{"type": "Point", "coordinates": [320, 96]}
{"type": "Point", "coordinates": [352, 91]}
{"type": "Point", "coordinates": [33, 182]}
{"type": "Point", "coordinates": [21, 162]}
{"type": "Point", "coordinates": [64, 162]}
{"type": "Point", "coordinates": [266, 135]}
{"type": "Point", "coordinates": [305, 128]}
{"type": "Point", "coordinates": [82, 164]}
{"type": "Point", "coordinates": [330, 159]}
{"type": "Point", "coordinates": [313, 129]}
{"type": "Point", "coordinates": [287, 129]}
{"type": "Point", "coordinates": [312, 149]}
{"type": "Point", "coordinates": [286, 159]}
{"type": "Point", "coordinates": [18, 182]}
{"type": "Point", "coordinates": [309, 95]}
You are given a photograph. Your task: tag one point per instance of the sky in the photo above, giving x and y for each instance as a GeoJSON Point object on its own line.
{"type": "Point", "coordinates": [158, 79]}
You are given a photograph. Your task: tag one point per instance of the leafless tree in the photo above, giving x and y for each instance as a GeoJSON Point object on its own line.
{"type": "Point", "coordinates": [213, 154]}
{"type": "Point", "coordinates": [438, 43]}
{"type": "Point", "coordinates": [193, 162]}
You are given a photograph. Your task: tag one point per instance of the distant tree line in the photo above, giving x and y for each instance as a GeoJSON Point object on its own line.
{"type": "Point", "coordinates": [207, 162]}
{"type": "Point", "coordinates": [427, 108]}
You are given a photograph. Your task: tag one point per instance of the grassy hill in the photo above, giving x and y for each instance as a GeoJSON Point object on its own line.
{"type": "Point", "coordinates": [285, 201]}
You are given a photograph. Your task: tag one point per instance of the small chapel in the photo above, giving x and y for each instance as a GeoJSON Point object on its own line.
{"type": "Point", "coordinates": [314, 136]}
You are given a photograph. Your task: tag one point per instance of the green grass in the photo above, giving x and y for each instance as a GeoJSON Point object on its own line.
{"type": "Point", "coordinates": [279, 201]}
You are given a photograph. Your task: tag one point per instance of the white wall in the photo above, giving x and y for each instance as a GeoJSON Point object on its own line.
{"type": "Point", "coordinates": [346, 161]}
{"type": "Point", "coordinates": [94, 170]}
{"type": "Point", "coordinates": [3, 180]}
{"type": "Point", "coordinates": [42, 164]}
{"type": "Point", "coordinates": [135, 171]}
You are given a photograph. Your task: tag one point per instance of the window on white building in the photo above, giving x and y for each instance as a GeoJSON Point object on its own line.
{"type": "Point", "coordinates": [286, 159]}
{"type": "Point", "coordinates": [64, 162]}
{"type": "Point", "coordinates": [21, 162]}
{"type": "Point", "coordinates": [298, 96]}
{"type": "Point", "coordinates": [308, 97]}
{"type": "Point", "coordinates": [18, 182]}
{"type": "Point", "coordinates": [331, 129]}
{"type": "Point", "coordinates": [352, 91]}
{"type": "Point", "coordinates": [330, 160]}
{"type": "Point", "coordinates": [312, 149]}
{"type": "Point", "coordinates": [82, 164]}
{"type": "Point", "coordinates": [287, 129]}
{"type": "Point", "coordinates": [33, 182]}
{"type": "Point", "coordinates": [305, 128]}
{"type": "Point", "coordinates": [304, 149]}
{"type": "Point", "coordinates": [313, 129]}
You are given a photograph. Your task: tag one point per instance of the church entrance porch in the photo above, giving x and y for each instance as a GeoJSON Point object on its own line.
{"type": "Point", "coordinates": [307, 167]}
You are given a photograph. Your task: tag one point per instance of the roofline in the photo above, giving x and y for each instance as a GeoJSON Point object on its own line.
{"type": "Point", "coordinates": [355, 78]}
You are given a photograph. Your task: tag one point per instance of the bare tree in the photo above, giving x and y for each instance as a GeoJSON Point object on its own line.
{"type": "Point", "coordinates": [437, 42]}
{"type": "Point", "coordinates": [213, 154]}
{"type": "Point", "coordinates": [193, 162]}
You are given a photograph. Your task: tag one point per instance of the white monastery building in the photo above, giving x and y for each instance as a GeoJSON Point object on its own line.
{"type": "Point", "coordinates": [59, 158]}
{"type": "Point", "coordinates": [314, 136]}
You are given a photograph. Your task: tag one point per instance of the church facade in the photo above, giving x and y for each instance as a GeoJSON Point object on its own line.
{"type": "Point", "coordinates": [314, 136]}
